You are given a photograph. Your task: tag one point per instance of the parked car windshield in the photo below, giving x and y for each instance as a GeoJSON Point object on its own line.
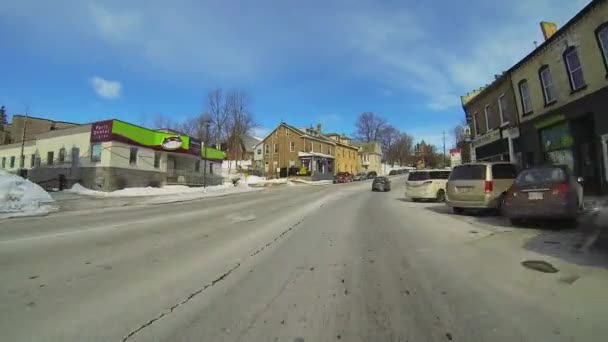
{"type": "Point", "coordinates": [418, 176]}
{"type": "Point", "coordinates": [504, 171]}
{"type": "Point", "coordinates": [540, 176]}
{"type": "Point", "coordinates": [469, 172]}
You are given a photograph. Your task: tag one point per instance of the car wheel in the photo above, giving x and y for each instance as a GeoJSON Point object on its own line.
{"type": "Point", "coordinates": [501, 207]}
{"type": "Point", "coordinates": [440, 196]}
{"type": "Point", "coordinates": [457, 210]}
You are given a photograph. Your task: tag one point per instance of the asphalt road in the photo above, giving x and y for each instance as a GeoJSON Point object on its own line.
{"type": "Point", "coordinates": [296, 264]}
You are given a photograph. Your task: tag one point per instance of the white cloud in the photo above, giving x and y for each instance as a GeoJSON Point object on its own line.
{"type": "Point", "coordinates": [105, 88]}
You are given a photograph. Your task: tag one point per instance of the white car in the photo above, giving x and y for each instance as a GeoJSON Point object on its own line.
{"type": "Point", "coordinates": [426, 184]}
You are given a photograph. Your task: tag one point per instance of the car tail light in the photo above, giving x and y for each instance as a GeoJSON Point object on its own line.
{"type": "Point", "coordinates": [513, 191]}
{"type": "Point", "coordinates": [488, 186]}
{"type": "Point", "coordinates": [560, 190]}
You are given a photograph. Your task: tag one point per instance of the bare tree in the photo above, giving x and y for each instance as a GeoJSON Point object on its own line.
{"type": "Point", "coordinates": [217, 112]}
{"type": "Point", "coordinates": [369, 127]}
{"type": "Point", "coordinates": [163, 121]}
{"type": "Point", "coordinates": [239, 122]}
{"type": "Point", "coordinates": [402, 149]}
{"type": "Point", "coordinates": [196, 127]}
{"type": "Point", "coordinates": [388, 137]}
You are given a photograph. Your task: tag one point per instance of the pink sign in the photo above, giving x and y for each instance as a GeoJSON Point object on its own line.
{"type": "Point", "coordinates": [101, 131]}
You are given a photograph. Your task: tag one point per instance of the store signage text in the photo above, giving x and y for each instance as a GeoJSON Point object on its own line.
{"type": "Point", "coordinates": [172, 143]}
{"type": "Point", "coordinates": [487, 138]}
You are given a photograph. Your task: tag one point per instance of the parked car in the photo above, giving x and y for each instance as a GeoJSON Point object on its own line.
{"type": "Point", "coordinates": [479, 185]}
{"type": "Point", "coordinates": [371, 175]}
{"type": "Point", "coordinates": [426, 184]}
{"type": "Point", "coordinates": [393, 172]}
{"type": "Point", "coordinates": [359, 176]}
{"type": "Point", "coordinates": [343, 177]}
{"type": "Point", "coordinates": [544, 192]}
{"type": "Point", "coordinates": [381, 183]}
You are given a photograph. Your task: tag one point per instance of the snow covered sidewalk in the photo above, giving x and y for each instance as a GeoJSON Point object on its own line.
{"type": "Point", "coordinates": [20, 197]}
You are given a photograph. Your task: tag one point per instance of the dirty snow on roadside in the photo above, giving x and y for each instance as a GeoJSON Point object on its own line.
{"type": "Point", "coordinates": [20, 197]}
{"type": "Point", "coordinates": [170, 190]}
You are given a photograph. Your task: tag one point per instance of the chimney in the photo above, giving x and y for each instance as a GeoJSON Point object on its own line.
{"type": "Point", "coordinates": [548, 29]}
{"type": "Point", "coordinates": [319, 128]}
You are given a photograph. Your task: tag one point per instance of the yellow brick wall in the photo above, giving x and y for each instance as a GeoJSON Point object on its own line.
{"type": "Point", "coordinates": [582, 36]}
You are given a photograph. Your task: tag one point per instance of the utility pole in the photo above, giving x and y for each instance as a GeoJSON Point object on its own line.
{"type": "Point", "coordinates": [22, 157]}
{"type": "Point", "coordinates": [206, 123]}
{"type": "Point", "coordinates": [443, 137]}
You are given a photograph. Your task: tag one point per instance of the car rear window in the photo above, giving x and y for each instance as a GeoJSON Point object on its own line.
{"type": "Point", "coordinates": [504, 171]}
{"type": "Point", "coordinates": [469, 172]}
{"type": "Point", "coordinates": [541, 176]}
{"type": "Point", "coordinates": [440, 174]}
{"type": "Point", "coordinates": [418, 176]}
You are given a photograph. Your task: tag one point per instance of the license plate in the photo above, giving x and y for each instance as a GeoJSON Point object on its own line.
{"type": "Point", "coordinates": [463, 190]}
{"type": "Point", "coordinates": [535, 195]}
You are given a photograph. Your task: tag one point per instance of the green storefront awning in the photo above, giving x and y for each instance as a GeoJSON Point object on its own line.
{"type": "Point", "coordinates": [213, 154]}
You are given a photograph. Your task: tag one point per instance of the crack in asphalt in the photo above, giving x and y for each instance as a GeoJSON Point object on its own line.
{"type": "Point", "coordinates": [208, 285]}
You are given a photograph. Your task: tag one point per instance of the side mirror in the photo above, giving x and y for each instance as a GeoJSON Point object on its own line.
{"type": "Point", "coordinates": [580, 180]}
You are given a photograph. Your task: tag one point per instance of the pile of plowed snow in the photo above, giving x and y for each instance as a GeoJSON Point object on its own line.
{"type": "Point", "coordinates": [20, 197]}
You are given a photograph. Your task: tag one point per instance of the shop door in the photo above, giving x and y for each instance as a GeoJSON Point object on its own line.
{"type": "Point", "coordinates": [586, 161]}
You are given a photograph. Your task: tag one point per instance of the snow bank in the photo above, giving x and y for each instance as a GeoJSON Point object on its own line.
{"type": "Point", "coordinates": [20, 197]}
{"type": "Point", "coordinates": [166, 194]}
{"type": "Point", "coordinates": [255, 180]}
{"type": "Point", "coordinates": [321, 182]}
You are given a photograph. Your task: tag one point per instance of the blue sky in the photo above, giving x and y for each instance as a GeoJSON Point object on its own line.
{"type": "Point", "coordinates": [305, 62]}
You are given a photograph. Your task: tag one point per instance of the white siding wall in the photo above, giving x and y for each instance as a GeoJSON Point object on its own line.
{"type": "Point", "coordinates": [119, 153]}
{"type": "Point", "coordinates": [44, 145]}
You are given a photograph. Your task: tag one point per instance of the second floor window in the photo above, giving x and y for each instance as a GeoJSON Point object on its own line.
{"type": "Point", "coordinates": [526, 100]}
{"type": "Point", "coordinates": [133, 156]}
{"type": "Point", "coordinates": [476, 123]}
{"type": "Point", "coordinates": [574, 68]}
{"type": "Point", "coordinates": [292, 146]}
{"type": "Point", "coordinates": [49, 158]}
{"type": "Point", "coordinates": [276, 148]}
{"type": "Point", "coordinates": [503, 109]}
{"type": "Point", "coordinates": [33, 160]}
{"type": "Point", "coordinates": [488, 114]}
{"type": "Point", "coordinates": [61, 155]}
{"type": "Point", "coordinates": [602, 38]}
{"type": "Point", "coordinates": [266, 149]}
{"type": "Point", "coordinates": [547, 83]}
{"type": "Point", "coordinates": [12, 162]}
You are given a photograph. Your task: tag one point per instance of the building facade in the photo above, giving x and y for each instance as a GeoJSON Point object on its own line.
{"type": "Point", "coordinates": [288, 150]}
{"type": "Point", "coordinates": [492, 116]}
{"type": "Point", "coordinates": [561, 90]}
{"type": "Point", "coordinates": [370, 157]}
{"type": "Point", "coordinates": [347, 154]}
{"type": "Point", "coordinates": [111, 155]}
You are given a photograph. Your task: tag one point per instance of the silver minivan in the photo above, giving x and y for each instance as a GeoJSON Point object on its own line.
{"type": "Point", "coordinates": [479, 185]}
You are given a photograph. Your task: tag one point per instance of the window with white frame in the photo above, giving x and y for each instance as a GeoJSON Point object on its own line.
{"type": "Point", "coordinates": [526, 100]}
{"type": "Point", "coordinates": [546, 82]}
{"type": "Point", "coordinates": [574, 69]}
{"type": "Point", "coordinates": [476, 124]}
{"type": "Point", "coordinates": [503, 109]}
{"type": "Point", "coordinates": [292, 146]}
{"type": "Point", "coordinates": [487, 114]}
{"type": "Point", "coordinates": [266, 149]}
{"type": "Point", "coordinates": [602, 38]}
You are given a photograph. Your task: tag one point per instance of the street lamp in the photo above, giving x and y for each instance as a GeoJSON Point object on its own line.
{"type": "Point", "coordinates": [206, 124]}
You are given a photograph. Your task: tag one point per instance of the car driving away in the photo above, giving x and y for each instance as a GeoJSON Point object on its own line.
{"type": "Point", "coordinates": [479, 185]}
{"type": "Point", "coordinates": [381, 183]}
{"type": "Point", "coordinates": [544, 192]}
{"type": "Point", "coordinates": [426, 184]}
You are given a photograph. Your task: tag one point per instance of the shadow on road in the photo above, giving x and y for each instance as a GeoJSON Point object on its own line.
{"type": "Point", "coordinates": [479, 216]}
{"type": "Point", "coordinates": [583, 245]}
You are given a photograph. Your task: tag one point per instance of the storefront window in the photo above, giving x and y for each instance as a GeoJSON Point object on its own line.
{"type": "Point", "coordinates": [557, 144]}
{"type": "Point", "coordinates": [96, 152]}
{"type": "Point", "coordinates": [561, 157]}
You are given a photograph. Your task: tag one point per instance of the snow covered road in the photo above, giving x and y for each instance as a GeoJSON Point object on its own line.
{"type": "Point", "coordinates": [291, 264]}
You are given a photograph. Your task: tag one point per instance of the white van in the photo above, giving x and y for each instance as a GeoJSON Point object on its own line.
{"type": "Point", "coordinates": [426, 184]}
